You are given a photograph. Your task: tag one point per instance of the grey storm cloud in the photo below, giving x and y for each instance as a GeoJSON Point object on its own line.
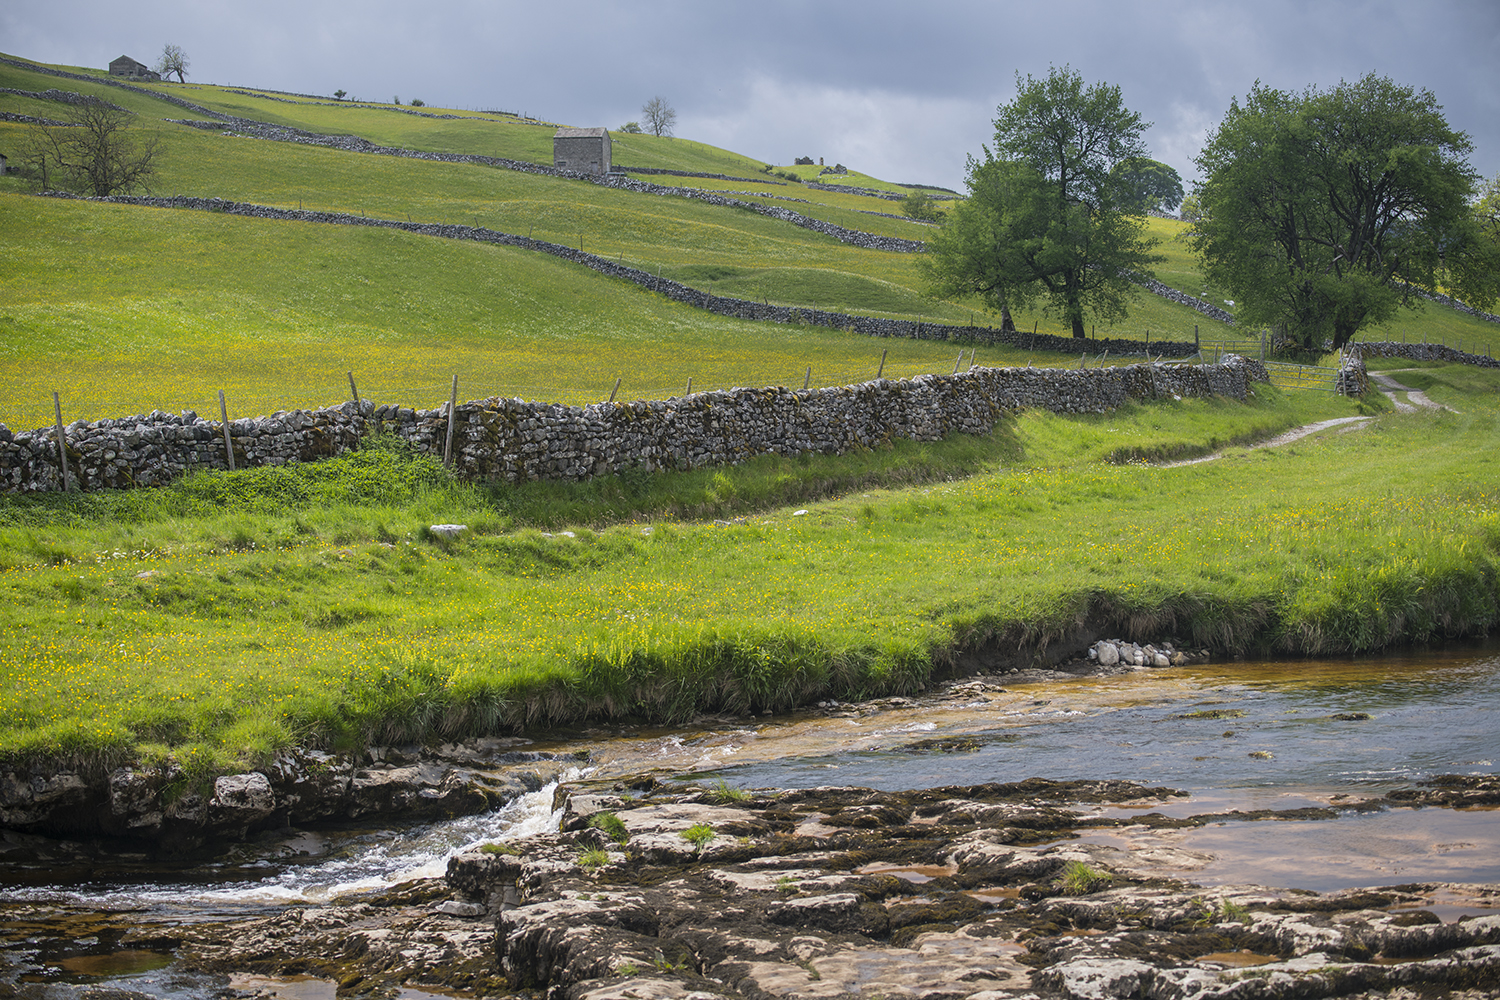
{"type": "Point", "coordinates": [901, 91]}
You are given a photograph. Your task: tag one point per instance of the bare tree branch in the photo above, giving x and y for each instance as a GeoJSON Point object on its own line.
{"type": "Point", "coordinates": [660, 116]}
{"type": "Point", "coordinates": [173, 60]}
{"type": "Point", "coordinates": [97, 151]}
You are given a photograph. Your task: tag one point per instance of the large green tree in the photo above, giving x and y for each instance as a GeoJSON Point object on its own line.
{"type": "Point", "coordinates": [1046, 218]}
{"type": "Point", "coordinates": [1149, 185]}
{"type": "Point", "coordinates": [1326, 211]}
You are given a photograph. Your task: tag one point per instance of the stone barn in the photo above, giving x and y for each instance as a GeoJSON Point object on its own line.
{"type": "Point", "coordinates": [585, 150]}
{"type": "Point", "coordinates": [128, 67]}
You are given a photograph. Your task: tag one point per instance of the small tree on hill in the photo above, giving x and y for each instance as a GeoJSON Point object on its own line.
{"type": "Point", "coordinates": [634, 128]}
{"type": "Point", "coordinates": [338, 95]}
{"type": "Point", "coordinates": [99, 152]}
{"type": "Point", "coordinates": [660, 116]}
{"type": "Point", "coordinates": [1148, 185]}
{"type": "Point", "coordinates": [920, 206]}
{"type": "Point", "coordinates": [173, 60]}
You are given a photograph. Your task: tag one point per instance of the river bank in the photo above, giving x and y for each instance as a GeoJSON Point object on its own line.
{"type": "Point", "coordinates": [225, 619]}
{"type": "Point", "coordinates": [982, 711]}
{"type": "Point", "coordinates": [1316, 828]}
{"type": "Point", "coordinates": [172, 809]}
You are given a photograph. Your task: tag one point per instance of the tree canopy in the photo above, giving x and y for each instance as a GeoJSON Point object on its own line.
{"type": "Point", "coordinates": [1325, 211]}
{"type": "Point", "coordinates": [1045, 218]}
{"type": "Point", "coordinates": [1148, 185]}
{"type": "Point", "coordinates": [1487, 208]}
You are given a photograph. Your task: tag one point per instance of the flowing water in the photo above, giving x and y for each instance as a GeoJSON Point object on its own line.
{"type": "Point", "coordinates": [1239, 736]}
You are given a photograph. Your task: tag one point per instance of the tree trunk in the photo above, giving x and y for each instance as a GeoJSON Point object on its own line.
{"type": "Point", "coordinates": [1079, 333]}
{"type": "Point", "coordinates": [1007, 325]}
{"type": "Point", "coordinates": [1343, 332]}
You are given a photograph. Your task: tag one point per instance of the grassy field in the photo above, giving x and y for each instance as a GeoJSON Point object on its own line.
{"type": "Point", "coordinates": [127, 309]}
{"type": "Point", "coordinates": [234, 614]}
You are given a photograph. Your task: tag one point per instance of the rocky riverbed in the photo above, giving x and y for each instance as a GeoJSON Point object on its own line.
{"type": "Point", "coordinates": [986, 891]}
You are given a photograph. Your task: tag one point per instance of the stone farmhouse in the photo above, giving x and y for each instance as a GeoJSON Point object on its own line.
{"type": "Point", "coordinates": [585, 150]}
{"type": "Point", "coordinates": [128, 67]}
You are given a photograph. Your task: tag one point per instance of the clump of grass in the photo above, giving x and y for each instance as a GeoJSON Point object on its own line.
{"type": "Point", "coordinates": [699, 834]}
{"type": "Point", "coordinates": [724, 793]}
{"type": "Point", "coordinates": [592, 858]}
{"type": "Point", "coordinates": [493, 848]}
{"type": "Point", "coordinates": [612, 826]}
{"type": "Point", "coordinates": [1078, 879]}
{"type": "Point", "coordinates": [1233, 913]}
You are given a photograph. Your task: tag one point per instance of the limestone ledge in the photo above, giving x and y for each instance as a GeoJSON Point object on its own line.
{"type": "Point", "coordinates": [979, 892]}
{"type": "Point", "coordinates": [168, 807]}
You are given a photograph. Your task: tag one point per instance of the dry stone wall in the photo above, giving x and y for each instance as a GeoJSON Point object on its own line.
{"type": "Point", "coordinates": [1423, 352]}
{"type": "Point", "coordinates": [870, 326]}
{"type": "Point", "coordinates": [520, 441]}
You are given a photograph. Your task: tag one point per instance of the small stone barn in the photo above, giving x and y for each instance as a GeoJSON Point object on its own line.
{"type": "Point", "coordinates": [585, 150]}
{"type": "Point", "coordinates": [128, 67]}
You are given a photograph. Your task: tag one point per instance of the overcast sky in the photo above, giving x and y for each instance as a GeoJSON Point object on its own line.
{"type": "Point", "coordinates": [903, 91]}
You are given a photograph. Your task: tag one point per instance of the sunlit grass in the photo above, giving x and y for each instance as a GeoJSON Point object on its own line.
{"type": "Point", "coordinates": [332, 618]}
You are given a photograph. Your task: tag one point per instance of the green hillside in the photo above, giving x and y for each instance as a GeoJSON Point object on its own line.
{"type": "Point", "coordinates": [227, 616]}
{"type": "Point", "coordinates": [132, 308]}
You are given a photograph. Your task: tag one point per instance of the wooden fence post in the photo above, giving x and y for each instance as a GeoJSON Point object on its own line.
{"type": "Point", "coordinates": [355, 390]}
{"type": "Point", "coordinates": [452, 418]}
{"type": "Point", "coordinates": [959, 361]}
{"type": "Point", "coordinates": [807, 379]}
{"type": "Point", "coordinates": [224, 423]}
{"type": "Point", "coordinates": [62, 445]}
{"type": "Point", "coordinates": [615, 391]}
{"type": "Point", "coordinates": [689, 390]}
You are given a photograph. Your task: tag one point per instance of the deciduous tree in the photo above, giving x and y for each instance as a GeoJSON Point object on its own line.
{"type": "Point", "coordinates": [920, 205]}
{"type": "Point", "coordinates": [1326, 211]}
{"type": "Point", "coordinates": [99, 152]}
{"type": "Point", "coordinates": [173, 60]}
{"type": "Point", "coordinates": [1487, 208]}
{"type": "Point", "coordinates": [1149, 185]}
{"type": "Point", "coordinates": [660, 116]}
{"type": "Point", "coordinates": [1044, 219]}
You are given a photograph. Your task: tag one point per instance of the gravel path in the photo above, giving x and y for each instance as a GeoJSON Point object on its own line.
{"type": "Point", "coordinates": [1295, 434]}
{"type": "Point", "coordinates": [1415, 398]}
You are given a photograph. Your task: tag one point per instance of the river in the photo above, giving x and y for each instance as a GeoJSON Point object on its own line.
{"type": "Point", "coordinates": [1233, 736]}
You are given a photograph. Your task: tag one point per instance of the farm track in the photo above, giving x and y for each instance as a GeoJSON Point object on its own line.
{"type": "Point", "coordinates": [1416, 399]}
